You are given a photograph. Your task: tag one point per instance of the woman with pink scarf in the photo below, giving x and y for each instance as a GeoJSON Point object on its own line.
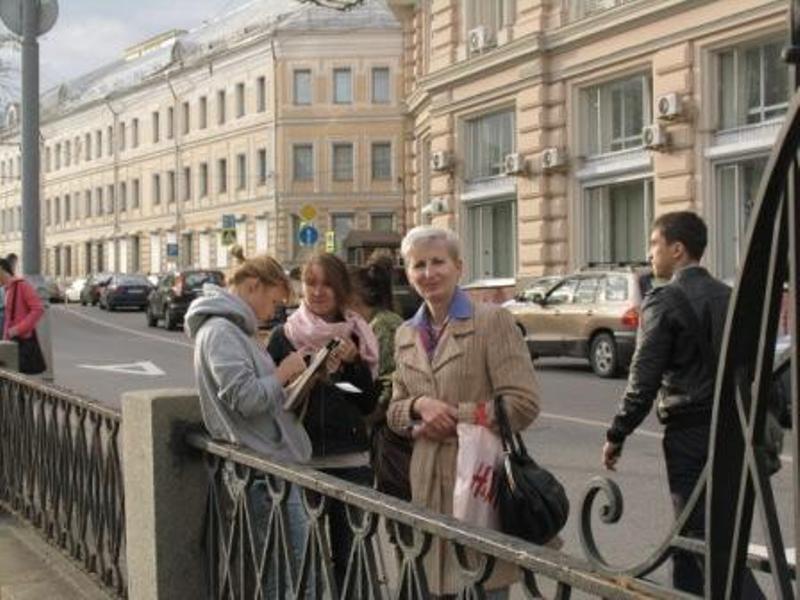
{"type": "Point", "coordinates": [339, 403]}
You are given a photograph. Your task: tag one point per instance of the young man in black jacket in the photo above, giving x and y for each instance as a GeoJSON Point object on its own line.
{"type": "Point", "coordinates": [674, 364]}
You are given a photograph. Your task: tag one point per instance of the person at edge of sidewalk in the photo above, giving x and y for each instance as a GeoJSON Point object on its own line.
{"type": "Point", "coordinates": [668, 365]}
{"type": "Point", "coordinates": [242, 391]}
{"type": "Point", "coordinates": [338, 403]}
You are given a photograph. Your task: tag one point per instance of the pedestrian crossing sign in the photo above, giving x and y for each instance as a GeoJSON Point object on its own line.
{"type": "Point", "coordinates": [330, 241]}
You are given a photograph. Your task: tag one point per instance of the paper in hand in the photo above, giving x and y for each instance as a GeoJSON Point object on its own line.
{"type": "Point", "coordinates": [348, 387]}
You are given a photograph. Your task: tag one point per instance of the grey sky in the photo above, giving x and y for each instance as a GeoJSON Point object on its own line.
{"type": "Point", "coordinates": [90, 33]}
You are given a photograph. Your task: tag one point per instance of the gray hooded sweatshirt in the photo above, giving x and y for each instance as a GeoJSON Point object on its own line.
{"type": "Point", "coordinates": [240, 396]}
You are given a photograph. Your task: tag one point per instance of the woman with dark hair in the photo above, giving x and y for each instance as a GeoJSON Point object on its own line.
{"type": "Point", "coordinates": [373, 300]}
{"type": "Point", "coordinates": [339, 402]}
{"type": "Point", "coordinates": [23, 311]}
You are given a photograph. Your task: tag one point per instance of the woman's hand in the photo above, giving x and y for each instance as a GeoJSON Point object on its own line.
{"type": "Point", "coordinates": [12, 332]}
{"type": "Point", "coordinates": [345, 352]}
{"type": "Point", "coordinates": [290, 367]}
{"type": "Point", "coordinates": [439, 419]}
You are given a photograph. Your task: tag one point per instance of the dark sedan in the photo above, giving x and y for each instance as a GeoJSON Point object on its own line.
{"type": "Point", "coordinates": [125, 291]}
{"type": "Point", "coordinates": [175, 291]}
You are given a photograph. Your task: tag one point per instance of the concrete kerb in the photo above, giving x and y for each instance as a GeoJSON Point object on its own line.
{"type": "Point", "coordinates": [165, 496]}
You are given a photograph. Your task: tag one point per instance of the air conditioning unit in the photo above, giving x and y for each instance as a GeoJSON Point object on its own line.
{"type": "Point", "coordinates": [654, 137]}
{"type": "Point", "coordinates": [441, 160]}
{"type": "Point", "coordinates": [668, 106]}
{"type": "Point", "coordinates": [553, 158]}
{"type": "Point", "coordinates": [480, 39]}
{"type": "Point", "coordinates": [436, 206]}
{"type": "Point", "coordinates": [514, 164]}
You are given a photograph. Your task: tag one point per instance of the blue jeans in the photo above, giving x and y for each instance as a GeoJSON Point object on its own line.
{"type": "Point", "coordinates": [260, 505]}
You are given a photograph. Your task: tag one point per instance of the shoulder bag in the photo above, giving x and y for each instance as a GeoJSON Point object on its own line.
{"type": "Point", "coordinates": [532, 502]}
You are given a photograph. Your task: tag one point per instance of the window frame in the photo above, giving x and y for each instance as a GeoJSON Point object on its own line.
{"type": "Point", "coordinates": [335, 168]}
{"type": "Point", "coordinates": [337, 71]}
{"type": "Point", "coordinates": [296, 87]}
{"type": "Point", "coordinates": [295, 149]}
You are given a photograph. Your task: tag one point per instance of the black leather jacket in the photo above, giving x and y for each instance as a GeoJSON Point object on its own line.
{"type": "Point", "coordinates": [668, 362]}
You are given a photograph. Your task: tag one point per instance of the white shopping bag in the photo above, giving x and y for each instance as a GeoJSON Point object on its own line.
{"type": "Point", "coordinates": [480, 452]}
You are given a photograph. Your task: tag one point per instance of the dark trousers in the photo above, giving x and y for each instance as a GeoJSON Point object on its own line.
{"type": "Point", "coordinates": [686, 453]}
{"type": "Point", "coordinates": [341, 537]}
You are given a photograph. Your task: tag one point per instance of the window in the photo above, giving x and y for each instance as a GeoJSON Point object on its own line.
{"type": "Point", "coordinates": [202, 112]}
{"type": "Point", "coordinates": [754, 84]}
{"type": "Point", "coordinates": [156, 126]}
{"type": "Point", "coordinates": [261, 94]}
{"type": "Point", "coordinates": [135, 133]}
{"type": "Point", "coordinates": [618, 218]}
{"type": "Point", "coordinates": [303, 161]}
{"type": "Point", "coordinates": [121, 137]}
{"type": "Point", "coordinates": [187, 116]}
{"type": "Point", "coordinates": [616, 112]}
{"type": "Point", "coordinates": [262, 166]}
{"type": "Point", "coordinates": [221, 107]}
{"type": "Point", "coordinates": [342, 86]}
{"type": "Point", "coordinates": [98, 144]}
{"type": "Point", "coordinates": [110, 200]}
{"type": "Point", "coordinates": [222, 175]}
{"type": "Point", "coordinates": [241, 171]}
{"type": "Point", "coordinates": [87, 150]}
{"type": "Point", "coordinates": [580, 9]}
{"type": "Point", "coordinates": [381, 222]}
{"type": "Point", "coordinates": [343, 162]}
{"type": "Point", "coordinates": [341, 225]}
{"type": "Point", "coordinates": [380, 85]}
{"type": "Point", "coordinates": [67, 208]}
{"type": "Point", "coordinates": [47, 164]}
{"type": "Point", "coordinates": [737, 187]}
{"type": "Point", "coordinates": [381, 161]}
{"type": "Point", "coordinates": [156, 191]}
{"type": "Point", "coordinates": [187, 183]}
{"type": "Point", "coordinates": [87, 204]}
{"type": "Point", "coordinates": [67, 153]}
{"type": "Point", "coordinates": [47, 214]}
{"type": "Point", "coordinates": [239, 100]}
{"type": "Point", "coordinates": [302, 87]}
{"type": "Point", "coordinates": [110, 140]}
{"type": "Point", "coordinates": [489, 13]}
{"type": "Point", "coordinates": [170, 123]}
{"type": "Point", "coordinates": [135, 194]}
{"type": "Point", "coordinates": [98, 199]}
{"type": "Point", "coordinates": [564, 292]}
{"type": "Point", "coordinates": [123, 196]}
{"type": "Point", "coordinates": [170, 186]}
{"type": "Point", "coordinates": [491, 228]}
{"type": "Point", "coordinates": [488, 139]}
{"type": "Point", "coordinates": [58, 156]}
{"type": "Point", "coordinates": [203, 180]}
{"type": "Point", "coordinates": [77, 148]}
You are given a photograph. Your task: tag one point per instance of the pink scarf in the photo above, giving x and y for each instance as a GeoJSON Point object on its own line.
{"type": "Point", "coordinates": [309, 332]}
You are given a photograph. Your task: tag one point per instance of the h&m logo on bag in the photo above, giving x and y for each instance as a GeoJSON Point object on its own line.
{"type": "Point", "coordinates": [484, 483]}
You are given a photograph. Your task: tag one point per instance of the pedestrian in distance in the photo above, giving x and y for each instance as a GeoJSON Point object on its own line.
{"type": "Point", "coordinates": [682, 324]}
{"type": "Point", "coordinates": [339, 402]}
{"type": "Point", "coordinates": [22, 313]}
{"type": "Point", "coordinates": [373, 300]}
{"type": "Point", "coordinates": [452, 359]}
{"type": "Point", "coordinates": [241, 389]}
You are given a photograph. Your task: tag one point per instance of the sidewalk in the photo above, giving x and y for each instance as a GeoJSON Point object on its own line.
{"type": "Point", "coordinates": [30, 569]}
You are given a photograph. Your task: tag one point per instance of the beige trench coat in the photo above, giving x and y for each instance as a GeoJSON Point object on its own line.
{"type": "Point", "coordinates": [476, 359]}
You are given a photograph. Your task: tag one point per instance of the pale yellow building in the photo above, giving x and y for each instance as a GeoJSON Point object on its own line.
{"type": "Point", "coordinates": [549, 133]}
{"type": "Point", "coordinates": [271, 107]}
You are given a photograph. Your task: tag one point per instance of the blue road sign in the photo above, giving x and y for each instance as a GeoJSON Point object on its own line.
{"type": "Point", "coordinates": [308, 235]}
{"type": "Point", "coordinates": [229, 221]}
{"type": "Point", "coordinates": [172, 249]}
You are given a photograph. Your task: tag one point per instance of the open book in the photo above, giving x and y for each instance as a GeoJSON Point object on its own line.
{"type": "Point", "coordinates": [298, 390]}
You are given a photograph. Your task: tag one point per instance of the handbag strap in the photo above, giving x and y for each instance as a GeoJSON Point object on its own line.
{"type": "Point", "coordinates": [512, 442]}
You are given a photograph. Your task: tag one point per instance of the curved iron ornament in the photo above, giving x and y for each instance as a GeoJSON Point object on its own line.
{"type": "Point", "coordinates": [735, 476]}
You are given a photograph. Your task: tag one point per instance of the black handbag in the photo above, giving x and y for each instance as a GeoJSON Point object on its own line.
{"type": "Point", "coordinates": [391, 459]}
{"type": "Point", "coordinates": [532, 503]}
{"type": "Point", "coordinates": [31, 359]}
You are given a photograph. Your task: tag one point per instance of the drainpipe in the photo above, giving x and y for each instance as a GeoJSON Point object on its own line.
{"type": "Point", "coordinates": [177, 130]}
{"type": "Point", "coordinates": [275, 190]}
{"type": "Point", "coordinates": [115, 154]}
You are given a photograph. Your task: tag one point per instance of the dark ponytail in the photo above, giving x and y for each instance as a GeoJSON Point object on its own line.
{"type": "Point", "coordinates": [373, 283]}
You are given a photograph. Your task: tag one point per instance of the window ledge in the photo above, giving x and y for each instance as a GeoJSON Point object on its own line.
{"type": "Point", "coordinates": [741, 140]}
{"type": "Point", "coordinates": [614, 163]}
{"type": "Point", "coordinates": [490, 187]}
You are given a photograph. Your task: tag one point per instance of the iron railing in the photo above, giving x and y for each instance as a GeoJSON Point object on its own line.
{"type": "Point", "coordinates": [60, 472]}
{"type": "Point", "coordinates": [249, 550]}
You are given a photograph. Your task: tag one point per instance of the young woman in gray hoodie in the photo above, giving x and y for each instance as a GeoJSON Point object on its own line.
{"type": "Point", "coordinates": [241, 389]}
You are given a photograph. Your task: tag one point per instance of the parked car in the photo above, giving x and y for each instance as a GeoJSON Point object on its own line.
{"type": "Point", "coordinates": [535, 290]}
{"type": "Point", "coordinates": [175, 291]}
{"type": "Point", "coordinates": [73, 291]}
{"type": "Point", "coordinates": [129, 291]}
{"type": "Point", "coordinates": [592, 314]}
{"type": "Point", "coordinates": [55, 293]}
{"type": "Point", "coordinates": [90, 294]}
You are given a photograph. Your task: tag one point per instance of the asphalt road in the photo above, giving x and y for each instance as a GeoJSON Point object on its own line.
{"type": "Point", "coordinates": [101, 355]}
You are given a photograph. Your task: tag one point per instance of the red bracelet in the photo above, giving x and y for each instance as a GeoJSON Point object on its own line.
{"type": "Point", "coordinates": [481, 416]}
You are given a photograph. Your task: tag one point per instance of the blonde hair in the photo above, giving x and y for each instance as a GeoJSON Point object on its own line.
{"type": "Point", "coordinates": [264, 268]}
{"type": "Point", "coordinates": [422, 235]}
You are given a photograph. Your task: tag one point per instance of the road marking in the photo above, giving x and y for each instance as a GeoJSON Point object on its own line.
{"type": "Point", "coordinates": [603, 425]}
{"type": "Point", "coordinates": [142, 334]}
{"type": "Point", "coordinates": [144, 367]}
